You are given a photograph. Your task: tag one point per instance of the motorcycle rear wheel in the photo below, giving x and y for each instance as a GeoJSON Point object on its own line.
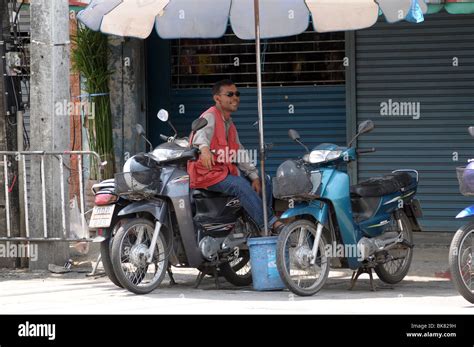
{"type": "Point", "coordinates": [460, 261]}
{"type": "Point", "coordinates": [238, 272]}
{"type": "Point", "coordinates": [394, 271]}
{"type": "Point", "coordinates": [128, 257]}
{"type": "Point", "coordinates": [106, 249]}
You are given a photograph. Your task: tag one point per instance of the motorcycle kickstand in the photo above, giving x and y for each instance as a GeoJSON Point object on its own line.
{"type": "Point", "coordinates": [94, 270]}
{"type": "Point", "coordinates": [360, 271]}
{"type": "Point", "coordinates": [170, 274]}
{"type": "Point", "coordinates": [199, 278]}
{"type": "Point", "coordinates": [216, 276]}
{"type": "Point", "coordinates": [203, 273]}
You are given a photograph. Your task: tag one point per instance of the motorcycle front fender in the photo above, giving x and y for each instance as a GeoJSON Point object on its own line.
{"type": "Point", "coordinates": [467, 212]}
{"type": "Point", "coordinates": [317, 209]}
{"type": "Point", "coordinates": [157, 208]}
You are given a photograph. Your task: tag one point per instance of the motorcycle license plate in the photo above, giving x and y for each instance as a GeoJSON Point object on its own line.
{"type": "Point", "coordinates": [101, 216]}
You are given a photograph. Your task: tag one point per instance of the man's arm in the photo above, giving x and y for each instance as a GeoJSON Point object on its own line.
{"type": "Point", "coordinates": [202, 140]}
{"type": "Point", "coordinates": [244, 164]}
{"type": "Point", "coordinates": [202, 137]}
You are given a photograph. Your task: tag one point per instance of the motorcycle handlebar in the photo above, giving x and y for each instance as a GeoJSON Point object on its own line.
{"type": "Point", "coordinates": [366, 150]}
{"type": "Point", "coordinates": [163, 137]}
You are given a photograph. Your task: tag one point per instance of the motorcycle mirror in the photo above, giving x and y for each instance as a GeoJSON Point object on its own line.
{"type": "Point", "coordinates": [140, 130]}
{"type": "Point", "coordinates": [198, 124]}
{"type": "Point", "coordinates": [163, 115]}
{"type": "Point", "coordinates": [471, 131]}
{"type": "Point", "coordinates": [293, 134]}
{"type": "Point", "coordinates": [366, 126]}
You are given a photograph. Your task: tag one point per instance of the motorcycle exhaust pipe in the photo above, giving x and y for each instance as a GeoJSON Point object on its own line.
{"type": "Point", "coordinates": [368, 247]}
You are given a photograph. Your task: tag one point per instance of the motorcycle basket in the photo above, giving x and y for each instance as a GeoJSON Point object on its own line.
{"type": "Point", "coordinates": [466, 180]}
{"type": "Point", "coordinates": [138, 185]}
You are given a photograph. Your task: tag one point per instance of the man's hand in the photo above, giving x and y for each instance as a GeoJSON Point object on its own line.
{"type": "Point", "coordinates": [207, 158]}
{"type": "Point", "coordinates": [257, 185]}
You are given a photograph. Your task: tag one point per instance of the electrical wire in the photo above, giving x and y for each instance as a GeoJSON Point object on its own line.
{"type": "Point", "coordinates": [19, 46]}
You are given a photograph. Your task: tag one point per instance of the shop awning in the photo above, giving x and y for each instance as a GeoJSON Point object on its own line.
{"type": "Point", "coordinates": [209, 18]}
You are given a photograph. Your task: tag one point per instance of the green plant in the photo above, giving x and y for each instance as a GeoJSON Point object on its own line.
{"type": "Point", "coordinates": [89, 58]}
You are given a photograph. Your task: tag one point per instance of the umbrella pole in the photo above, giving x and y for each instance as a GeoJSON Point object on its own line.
{"type": "Point", "coordinates": [260, 114]}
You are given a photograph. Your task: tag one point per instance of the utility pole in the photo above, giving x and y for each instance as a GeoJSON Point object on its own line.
{"type": "Point", "coordinates": [49, 130]}
{"type": "Point", "coordinates": [4, 23]}
{"type": "Point", "coordinates": [9, 107]}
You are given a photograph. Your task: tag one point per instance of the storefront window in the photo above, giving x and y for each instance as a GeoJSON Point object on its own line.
{"type": "Point", "coordinates": [307, 59]}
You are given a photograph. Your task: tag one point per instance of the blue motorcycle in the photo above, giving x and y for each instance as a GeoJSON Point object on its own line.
{"type": "Point", "coordinates": [460, 251]}
{"type": "Point", "coordinates": [333, 224]}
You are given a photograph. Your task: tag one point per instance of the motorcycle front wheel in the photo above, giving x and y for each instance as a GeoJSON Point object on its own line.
{"type": "Point", "coordinates": [460, 261]}
{"type": "Point", "coordinates": [129, 259]}
{"type": "Point", "coordinates": [294, 254]}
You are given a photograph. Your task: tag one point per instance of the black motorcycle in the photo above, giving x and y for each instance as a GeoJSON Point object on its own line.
{"type": "Point", "coordinates": [164, 223]}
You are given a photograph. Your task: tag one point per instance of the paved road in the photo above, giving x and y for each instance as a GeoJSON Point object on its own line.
{"type": "Point", "coordinates": [422, 292]}
{"type": "Point", "coordinates": [77, 294]}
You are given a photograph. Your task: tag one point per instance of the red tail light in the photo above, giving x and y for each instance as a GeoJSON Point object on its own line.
{"type": "Point", "coordinates": [105, 199]}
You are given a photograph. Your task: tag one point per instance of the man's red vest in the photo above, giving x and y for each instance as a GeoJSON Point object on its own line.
{"type": "Point", "coordinates": [222, 149]}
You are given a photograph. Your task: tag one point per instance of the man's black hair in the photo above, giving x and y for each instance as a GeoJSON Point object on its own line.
{"type": "Point", "coordinates": [216, 89]}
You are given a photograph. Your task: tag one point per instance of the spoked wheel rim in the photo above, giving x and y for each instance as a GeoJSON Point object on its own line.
{"type": "Point", "coordinates": [400, 253]}
{"type": "Point", "coordinates": [134, 267]}
{"type": "Point", "coordinates": [238, 271]}
{"type": "Point", "coordinates": [241, 265]}
{"type": "Point", "coordinates": [396, 262]}
{"type": "Point", "coordinates": [295, 254]}
{"type": "Point", "coordinates": [465, 259]}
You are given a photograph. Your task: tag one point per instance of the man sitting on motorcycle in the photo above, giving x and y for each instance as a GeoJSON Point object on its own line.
{"type": "Point", "coordinates": [217, 168]}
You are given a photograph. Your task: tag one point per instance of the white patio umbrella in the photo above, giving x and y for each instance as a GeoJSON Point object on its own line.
{"type": "Point", "coordinates": [250, 20]}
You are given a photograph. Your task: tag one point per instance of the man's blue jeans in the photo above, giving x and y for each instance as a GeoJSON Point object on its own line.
{"type": "Point", "coordinates": [241, 188]}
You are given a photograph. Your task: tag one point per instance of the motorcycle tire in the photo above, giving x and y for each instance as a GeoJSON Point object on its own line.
{"type": "Point", "coordinates": [286, 258]}
{"type": "Point", "coordinates": [231, 271]}
{"type": "Point", "coordinates": [105, 248]}
{"type": "Point", "coordinates": [134, 284]}
{"type": "Point", "coordinates": [456, 256]}
{"type": "Point", "coordinates": [393, 278]}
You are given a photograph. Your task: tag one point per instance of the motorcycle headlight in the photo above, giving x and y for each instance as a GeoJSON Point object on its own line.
{"type": "Point", "coordinates": [184, 142]}
{"type": "Point", "coordinates": [164, 153]}
{"type": "Point", "coordinates": [321, 156]}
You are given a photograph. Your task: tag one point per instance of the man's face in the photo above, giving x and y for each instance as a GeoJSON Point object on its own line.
{"type": "Point", "coordinates": [227, 99]}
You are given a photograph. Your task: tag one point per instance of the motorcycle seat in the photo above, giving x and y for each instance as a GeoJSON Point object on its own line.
{"type": "Point", "coordinates": [207, 194]}
{"type": "Point", "coordinates": [385, 185]}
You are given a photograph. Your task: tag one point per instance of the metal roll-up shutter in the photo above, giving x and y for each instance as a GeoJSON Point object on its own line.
{"type": "Point", "coordinates": [432, 64]}
{"type": "Point", "coordinates": [303, 80]}
{"type": "Point", "coordinates": [317, 112]}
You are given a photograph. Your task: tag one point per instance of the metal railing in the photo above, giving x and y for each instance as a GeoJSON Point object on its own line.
{"type": "Point", "coordinates": [21, 158]}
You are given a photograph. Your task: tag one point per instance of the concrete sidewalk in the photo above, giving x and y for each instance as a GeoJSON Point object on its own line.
{"type": "Point", "coordinates": [423, 291]}
{"type": "Point", "coordinates": [430, 255]}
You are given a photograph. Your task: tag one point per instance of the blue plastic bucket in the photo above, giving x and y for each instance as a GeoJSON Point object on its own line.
{"type": "Point", "coordinates": [263, 258]}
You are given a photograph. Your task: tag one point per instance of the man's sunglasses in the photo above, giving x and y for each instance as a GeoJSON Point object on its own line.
{"type": "Point", "coordinates": [231, 94]}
